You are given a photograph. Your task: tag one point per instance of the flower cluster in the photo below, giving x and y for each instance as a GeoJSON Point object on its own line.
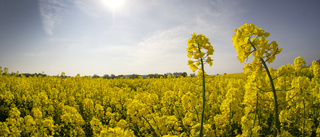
{"type": "Point", "coordinates": [299, 63]}
{"type": "Point", "coordinates": [248, 40]}
{"type": "Point", "coordinates": [196, 45]}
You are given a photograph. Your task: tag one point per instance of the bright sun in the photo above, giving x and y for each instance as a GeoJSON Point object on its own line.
{"type": "Point", "coordinates": [113, 4]}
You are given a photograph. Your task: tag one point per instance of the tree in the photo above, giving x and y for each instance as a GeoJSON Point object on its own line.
{"type": "Point", "coordinates": [184, 74]}
{"type": "Point", "coordinates": [106, 76]}
{"type": "Point", "coordinates": [95, 76]}
{"type": "Point", "coordinates": [120, 76]}
{"type": "Point", "coordinates": [133, 76]}
{"type": "Point", "coordinates": [112, 76]}
{"type": "Point", "coordinates": [176, 74]}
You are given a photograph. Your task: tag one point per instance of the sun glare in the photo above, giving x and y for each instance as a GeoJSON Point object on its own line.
{"type": "Point", "coordinates": [113, 4]}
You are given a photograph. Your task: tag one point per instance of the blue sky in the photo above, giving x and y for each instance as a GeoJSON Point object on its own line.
{"type": "Point", "coordinates": [146, 36]}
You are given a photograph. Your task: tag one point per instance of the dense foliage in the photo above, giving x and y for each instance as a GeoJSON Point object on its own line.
{"type": "Point", "coordinates": [82, 106]}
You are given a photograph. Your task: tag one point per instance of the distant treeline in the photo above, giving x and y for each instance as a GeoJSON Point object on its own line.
{"type": "Point", "coordinates": [133, 76]}
{"type": "Point", "coordinates": [106, 76]}
{"type": "Point", "coordinates": [112, 76]}
{"type": "Point", "coordinates": [26, 74]}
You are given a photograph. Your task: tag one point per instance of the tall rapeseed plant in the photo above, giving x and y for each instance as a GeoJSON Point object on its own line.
{"type": "Point", "coordinates": [196, 45]}
{"type": "Point", "coordinates": [250, 40]}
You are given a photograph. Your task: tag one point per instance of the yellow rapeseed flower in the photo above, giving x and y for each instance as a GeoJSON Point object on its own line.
{"type": "Point", "coordinates": [249, 40]}
{"type": "Point", "coordinates": [196, 45]}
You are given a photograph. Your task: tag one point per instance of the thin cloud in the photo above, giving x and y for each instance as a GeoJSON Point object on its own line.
{"type": "Point", "coordinates": [160, 43]}
{"type": "Point", "coordinates": [166, 49]}
{"type": "Point", "coordinates": [50, 11]}
{"type": "Point", "coordinates": [163, 51]}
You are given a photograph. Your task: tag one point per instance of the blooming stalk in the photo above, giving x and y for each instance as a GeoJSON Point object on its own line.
{"type": "Point", "coordinates": [250, 40]}
{"type": "Point", "coordinates": [196, 45]}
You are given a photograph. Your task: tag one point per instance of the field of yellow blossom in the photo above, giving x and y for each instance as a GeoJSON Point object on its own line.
{"type": "Point", "coordinates": [262, 101]}
{"type": "Point", "coordinates": [236, 105]}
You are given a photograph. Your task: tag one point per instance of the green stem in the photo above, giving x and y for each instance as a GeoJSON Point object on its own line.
{"type": "Point", "coordinates": [153, 130]}
{"type": "Point", "coordinates": [203, 93]}
{"type": "Point", "coordinates": [203, 97]}
{"type": "Point", "coordinates": [275, 100]}
{"type": "Point", "coordinates": [196, 113]}
{"type": "Point", "coordinates": [156, 125]}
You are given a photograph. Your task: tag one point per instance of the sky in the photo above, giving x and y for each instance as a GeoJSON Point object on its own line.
{"type": "Point", "coordinates": [146, 36]}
